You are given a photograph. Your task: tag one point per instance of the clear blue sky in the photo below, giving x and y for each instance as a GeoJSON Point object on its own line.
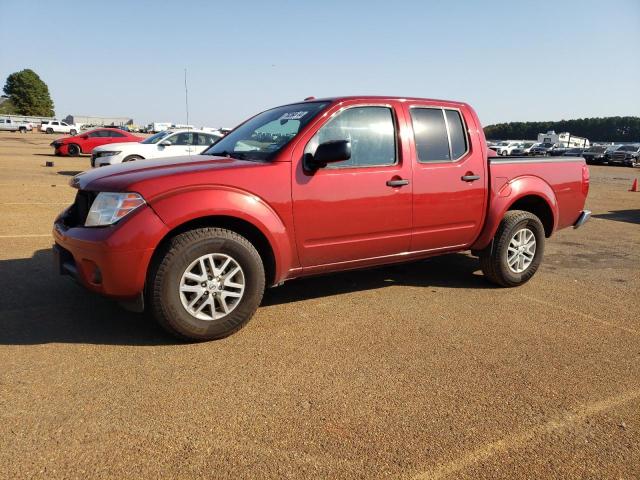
{"type": "Point", "coordinates": [512, 60]}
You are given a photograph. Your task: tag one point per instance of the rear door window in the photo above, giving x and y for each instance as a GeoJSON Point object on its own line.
{"type": "Point", "coordinates": [430, 132]}
{"type": "Point", "coordinates": [439, 134]}
{"type": "Point", "coordinates": [457, 134]}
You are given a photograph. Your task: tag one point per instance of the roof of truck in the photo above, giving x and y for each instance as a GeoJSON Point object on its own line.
{"type": "Point", "coordinates": [381, 97]}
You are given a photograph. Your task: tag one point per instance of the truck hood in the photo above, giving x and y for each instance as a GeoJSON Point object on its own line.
{"type": "Point", "coordinates": [153, 177]}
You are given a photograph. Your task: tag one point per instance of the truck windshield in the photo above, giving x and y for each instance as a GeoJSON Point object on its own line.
{"type": "Point", "coordinates": [263, 136]}
{"type": "Point", "coordinates": [156, 138]}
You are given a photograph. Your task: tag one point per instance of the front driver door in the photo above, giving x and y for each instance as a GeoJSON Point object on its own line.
{"type": "Point", "coordinates": [358, 209]}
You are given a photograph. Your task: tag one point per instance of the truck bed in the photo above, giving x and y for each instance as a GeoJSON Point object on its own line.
{"type": "Point", "coordinates": [566, 183]}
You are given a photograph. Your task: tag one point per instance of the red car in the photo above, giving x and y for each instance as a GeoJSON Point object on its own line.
{"type": "Point", "coordinates": [312, 187]}
{"type": "Point", "coordinates": [85, 142]}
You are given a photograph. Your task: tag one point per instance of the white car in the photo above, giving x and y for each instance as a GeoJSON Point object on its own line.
{"type": "Point", "coordinates": [505, 148]}
{"type": "Point", "coordinates": [56, 126]}
{"type": "Point", "coordinates": [170, 143]}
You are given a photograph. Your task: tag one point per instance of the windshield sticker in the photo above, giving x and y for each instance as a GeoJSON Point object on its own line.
{"type": "Point", "coordinates": [293, 115]}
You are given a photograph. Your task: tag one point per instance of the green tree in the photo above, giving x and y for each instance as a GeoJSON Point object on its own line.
{"type": "Point", "coordinates": [29, 94]}
{"type": "Point", "coordinates": [6, 107]}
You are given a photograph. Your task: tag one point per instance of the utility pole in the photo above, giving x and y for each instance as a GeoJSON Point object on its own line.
{"type": "Point", "coordinates": [186, 95]}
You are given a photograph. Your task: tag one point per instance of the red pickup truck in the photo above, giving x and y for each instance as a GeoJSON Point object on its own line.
{"type": "Point", "coordinates": [312, 187]}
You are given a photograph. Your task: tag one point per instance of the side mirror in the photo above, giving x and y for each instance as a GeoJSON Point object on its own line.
{"type": "Point", "coordinates": [329, 152]}
{"type": "Point", "coordinates": [165, 143]}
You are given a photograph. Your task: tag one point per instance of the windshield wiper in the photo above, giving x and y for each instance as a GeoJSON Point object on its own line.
{"type": "Point", "coordinates": [226, 153]}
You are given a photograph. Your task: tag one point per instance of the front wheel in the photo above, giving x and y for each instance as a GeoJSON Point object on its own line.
{"type": "Point", "coordinates": [516, 251]}
{"type": "Point", "coordinates": [132, 158]}
{"type": "Point", "coordinates": [74, 150]}
{"type": "Point", "coordinates": [49, 131]}
{"type": "Point", "coordinates": [206, 284]}
{"type": "Point", "coordinates": [73, 132]}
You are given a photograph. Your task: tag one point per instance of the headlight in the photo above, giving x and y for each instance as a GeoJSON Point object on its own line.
{"type": "Point", "coordinates": [106, 154]}
{"type": "Point", "coordinates": [109, 207]}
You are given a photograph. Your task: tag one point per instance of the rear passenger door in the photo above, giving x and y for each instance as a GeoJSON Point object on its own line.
{"type": "Point", "coordinates": [449, 177]}
{"type": "Point", "coordinates": [116, 136]}
{"type": "Point", "coordinates": [202, 142]}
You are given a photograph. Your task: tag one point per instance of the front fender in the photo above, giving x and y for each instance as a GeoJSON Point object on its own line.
{"type": "Point", "coordinates": [504, 194]}
{"type": "Point", "coordinates": [178, 207]}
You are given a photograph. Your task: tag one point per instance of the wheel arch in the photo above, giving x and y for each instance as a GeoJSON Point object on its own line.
{"type": "Point", "coordinates": [538, 206]}
{"type": "Point", "coordinates": [529, 193]}
{"type": "Point", "coordinates": [138, 156]}
{"type": "Point", "coordinates": [235, 210]}
{"type": "Point", "coordinates": [235, 224]}
{"type": "Point", "coordinates": [75, 145]}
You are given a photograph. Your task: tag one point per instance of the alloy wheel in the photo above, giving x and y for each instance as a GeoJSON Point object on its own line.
{"type": "Point", "coordinates": [521, 250]}
{"type": "Point", "coordinates": [212, 286]}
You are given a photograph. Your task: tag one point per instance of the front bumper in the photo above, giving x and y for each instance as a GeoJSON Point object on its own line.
{"type": "Point", "coordinates": [584, 217]}
{"type": "Point", "coordinates": [113, 260]}
{"type": "Point", "coordinates": [61, 149]}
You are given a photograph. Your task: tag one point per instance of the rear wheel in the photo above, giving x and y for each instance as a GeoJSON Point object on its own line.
{"type": "Point", "coordinates": [206, 284]}
{"type": "Point", "coordinates": [516, 251]}
{"type": "Point", "coordinates": [74, 150]}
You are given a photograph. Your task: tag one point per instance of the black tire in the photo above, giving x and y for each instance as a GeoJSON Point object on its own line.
{"type": "Point", "coordinates": [493, 259]}
{"type": "Point", "coordinates": [172, 261]}
{"type": "Point", "coordinates": [73, 131]}
{"type": "Point", "coordinates": [133, 158]}
{"type": "Point", "coordinates": [503, 153]}
{"type": "Point", "coordinates": [49, 131]}
{"type": "Point", "coordinates": [74, 150]}
{"type": "Point", "coordinates": [22, 129]}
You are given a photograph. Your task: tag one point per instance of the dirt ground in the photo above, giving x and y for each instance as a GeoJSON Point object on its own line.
{"type": "Point", "coordinates": [418, 371]}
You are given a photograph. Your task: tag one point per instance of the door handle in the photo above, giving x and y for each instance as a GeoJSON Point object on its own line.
{"type": "Point", "coordinates": [470, 178]}
{"type": "Point", "coordinates": [397, 183]}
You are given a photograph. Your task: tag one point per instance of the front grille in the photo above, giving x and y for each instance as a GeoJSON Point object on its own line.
{"type": "Point", "coordinates": [77, 213]}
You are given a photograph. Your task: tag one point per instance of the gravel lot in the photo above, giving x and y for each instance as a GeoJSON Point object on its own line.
{"type": "Point", "coordinates": [419, 371]}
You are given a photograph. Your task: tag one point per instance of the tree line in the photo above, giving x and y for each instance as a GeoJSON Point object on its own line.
{"type": "Point", "coordinates": [28, 95]}
{"type": "Point", "coordinates": [602, 129]}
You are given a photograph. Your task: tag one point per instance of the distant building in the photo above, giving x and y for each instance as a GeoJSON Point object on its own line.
{"type": "Point", "coordinates": [98, 121]}
{"type": "Point", "coordinates": [564, 139]}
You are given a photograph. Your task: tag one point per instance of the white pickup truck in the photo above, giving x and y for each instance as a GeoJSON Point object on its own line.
{"type": "Point", "coordinates": [9, 125]}
{"type": "Point", "coordinates": [56, 126]}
